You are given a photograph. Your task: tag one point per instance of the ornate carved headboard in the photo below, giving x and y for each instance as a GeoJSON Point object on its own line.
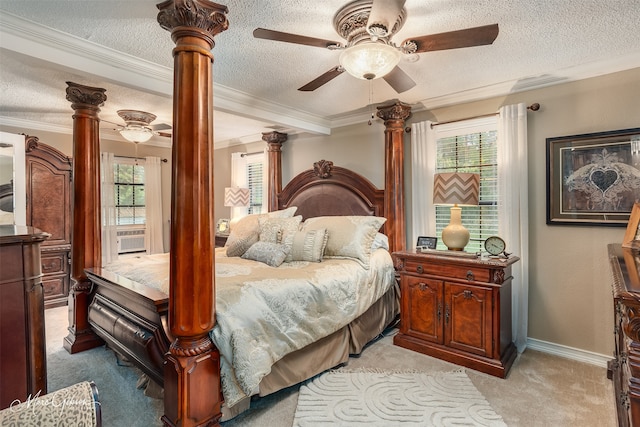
{"type": "Point", "coordinates": [331, 190]}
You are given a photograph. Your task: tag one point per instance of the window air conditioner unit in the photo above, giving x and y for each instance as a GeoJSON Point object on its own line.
{"type": "Point", "coordinates": [131, 241]}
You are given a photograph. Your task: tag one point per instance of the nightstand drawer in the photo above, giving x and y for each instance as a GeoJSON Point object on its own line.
{"type": "Point", "coordinates": [447, 270]}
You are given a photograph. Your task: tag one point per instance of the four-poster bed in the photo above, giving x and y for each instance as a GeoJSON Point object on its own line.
{"type": "Point", "coordinates": [173, 332]}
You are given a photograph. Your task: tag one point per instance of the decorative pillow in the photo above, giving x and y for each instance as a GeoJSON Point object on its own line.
{"type": "Point", "coordinates": [380, 241]}
{"type": "Point", "coordinates": [275, 229]}
{"type": "Point", "coordinates": [349, 236]}
{"type": "Point", "coordinates": [249, 224]}
{"type": "Point", "coordinates": [308, 246]}
{"type": "Point", "coordinates": [272, 254]}
{"type": "Point", "coordinates": [240, 246]}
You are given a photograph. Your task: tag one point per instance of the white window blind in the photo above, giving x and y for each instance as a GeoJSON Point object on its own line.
{"type": "Point", "coordinates": [255, 178]}
{"type": "Point", "coordinates": [471, 146]}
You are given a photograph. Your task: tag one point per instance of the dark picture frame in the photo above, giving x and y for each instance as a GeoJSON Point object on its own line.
{"type": "Point", "coordinates": [593, 179]}
{"type": "Point", "coordinates": [427, 242]}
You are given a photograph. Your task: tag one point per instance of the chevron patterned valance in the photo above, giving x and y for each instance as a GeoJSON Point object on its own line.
{"type": "Point", "coordinates": [236, 197]}
{"type": "Point", "coordinates": [456, 188]}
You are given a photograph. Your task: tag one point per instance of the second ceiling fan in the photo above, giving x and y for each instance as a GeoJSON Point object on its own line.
{"type": "Point", "coordinates": [368, 26]}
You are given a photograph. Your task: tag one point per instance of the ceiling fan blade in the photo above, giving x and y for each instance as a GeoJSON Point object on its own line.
{"type": "Point", "coordinates": [476, 36]}
{"type": "Point", "coordinates": [324, 78]}
{"type": "Point", "coordinates": [262, 33]}
{"type": "Point", "coordinates": [115, 124]}
{"type": "Point", "coordinates": [160, 126]}
{"type": "Point", "coordinates": [399, 80]}
{"type": "Point", "coordinates": [165, 134]}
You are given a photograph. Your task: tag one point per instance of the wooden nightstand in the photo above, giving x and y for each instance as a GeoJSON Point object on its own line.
{"type": "Point", "coordinates": [457, 309]}
{"type": "Point", "coordinates": [221, 239]}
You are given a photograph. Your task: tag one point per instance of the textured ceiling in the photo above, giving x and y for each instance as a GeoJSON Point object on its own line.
{"type": "Point", "coordinates": [540, 42]}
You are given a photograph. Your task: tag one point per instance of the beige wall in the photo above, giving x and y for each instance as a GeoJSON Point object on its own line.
{"type": "Point", "coordinates": [569, 291]}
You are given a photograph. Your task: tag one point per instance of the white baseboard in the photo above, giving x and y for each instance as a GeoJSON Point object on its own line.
{"type": "Point", "coordinates": [569, 352]}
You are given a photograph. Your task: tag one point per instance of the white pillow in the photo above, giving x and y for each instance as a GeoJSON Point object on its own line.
{"type": "Point", "coordinates": [348, 236]}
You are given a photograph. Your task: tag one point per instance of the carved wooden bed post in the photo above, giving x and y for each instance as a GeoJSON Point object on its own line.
{"type": "Point", "coordinates": [274, 140]}
{"type": "Point", "coordinates": [86, 248]}
{"type": "Point", "coordinates": [192, 395]}
{"type": "Point", "coordinates": [394, 117]}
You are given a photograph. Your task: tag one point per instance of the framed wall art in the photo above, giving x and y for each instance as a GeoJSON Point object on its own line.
{"type": "Point", "coordinates": [593, 179]}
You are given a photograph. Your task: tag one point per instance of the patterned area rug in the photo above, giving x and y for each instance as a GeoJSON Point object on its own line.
{"type": "Point", "coordinates": [362, 398]}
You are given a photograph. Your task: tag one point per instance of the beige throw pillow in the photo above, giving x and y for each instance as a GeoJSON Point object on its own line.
{"type": "Point", "coordinates": [308, 245]}
{"type": "Point", "coordinates": [348, 236]}
{"type": "Point", "coordinates": [249, 224]}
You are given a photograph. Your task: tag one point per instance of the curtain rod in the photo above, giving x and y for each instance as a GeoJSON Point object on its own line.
{"type": "Point", "coordinates": [532, 107]}
{"type": "Point", "coordinates": [251, 154]}
{"type": "Point", "coordinates": [139, 158]}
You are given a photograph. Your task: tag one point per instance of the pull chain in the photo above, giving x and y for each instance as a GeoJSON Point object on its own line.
{"type": "Point", "coordinates": [371, 100]}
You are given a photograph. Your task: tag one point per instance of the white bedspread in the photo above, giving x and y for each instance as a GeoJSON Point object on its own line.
{"type": "Point", "coordinates": [264, 313]}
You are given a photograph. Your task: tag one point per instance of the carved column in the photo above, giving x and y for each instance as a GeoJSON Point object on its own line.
{"type": "Point", "coordinates": [274, 140]}
{"type": "Point", "coordinates": [86, 238]}
{"type": "Point", "coordinates": [394, 117]}
{"type": "Point", "coordinates": [192, 395]}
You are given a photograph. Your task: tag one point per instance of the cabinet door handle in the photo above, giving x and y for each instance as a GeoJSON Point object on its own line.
{"type": "Point", "coordinates": [467, 294]}
{"type": "Point", "coordinates": [470, 276]}
{"type": "Point", "coordinates": [446, 314]}
{"type": "Point", "coordinates": [439, 314]}
{"type": "Point", "coordinates": [419, 269]}
{"type": "Point", "coordinates": [422, 286]}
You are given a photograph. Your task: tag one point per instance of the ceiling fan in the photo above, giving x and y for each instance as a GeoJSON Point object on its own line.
{"type": "Point", "coordinates": [138, 127]}
{"type": "Point", "coordinates": [368, 26]}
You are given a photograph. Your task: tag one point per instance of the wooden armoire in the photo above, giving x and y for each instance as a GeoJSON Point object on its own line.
{"type": "Point", "coordinates": [48, 174]}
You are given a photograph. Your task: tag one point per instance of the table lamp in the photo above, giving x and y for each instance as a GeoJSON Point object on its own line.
{"type": "Point", "coordinates": [457, 189]}
{"type": "Point", "coordinates": [236, 197]}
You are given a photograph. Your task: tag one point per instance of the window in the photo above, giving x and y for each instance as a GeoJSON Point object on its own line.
{"type": "Point", "coordinates": [248, 170]}
{"type": "Point", "coordinates": [255, 179]}
{"type": "Point", "coordinates": [471, 149]}
{"type": "Point", "coordinates": [129, 192]}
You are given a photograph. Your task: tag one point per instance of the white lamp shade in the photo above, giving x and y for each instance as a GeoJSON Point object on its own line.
{"type": "Point", "coordinates": [236, 197]}
{"type": "Point", "coordinates": [369, 61]}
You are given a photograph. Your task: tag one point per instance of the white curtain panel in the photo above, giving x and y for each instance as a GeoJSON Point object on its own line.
{"type": "Point", "coordinates": [513, 214]}
{"type": "Point", "coordinates": [109, 231]}
{"type": "Point", "coordinates": [423, 168]}
{"type": "Point", "coordinates": [239, 179]}
{"type": "Point", "coordinates": [153, 201]}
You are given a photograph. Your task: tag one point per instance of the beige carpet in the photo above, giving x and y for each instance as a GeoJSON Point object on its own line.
{"type": "Point", "coordinates": [541, 389]}
{"type": "Point", "coordinates": [382, 399]}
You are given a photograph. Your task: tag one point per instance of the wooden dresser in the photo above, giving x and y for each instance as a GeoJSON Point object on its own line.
{"type": "Point", "coordinates": [23, 367]}
{"type": "Point", "coordinates": [48, 185]}
{"type": "Point", "coordinates": [624, 369]}
{"type": "Point", "coordinates": [457, 309]}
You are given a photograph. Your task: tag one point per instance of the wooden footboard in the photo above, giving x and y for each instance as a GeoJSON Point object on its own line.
{"type": "Point", "coordinates": [131, 319]}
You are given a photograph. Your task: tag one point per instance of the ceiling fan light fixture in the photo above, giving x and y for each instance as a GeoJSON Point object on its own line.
{"type": "Point", "coordinates": [136, 128]}
{"type": "Point", "coordinates": [136, 133]}
{"type": "Point", "coordinates": [369, 61]}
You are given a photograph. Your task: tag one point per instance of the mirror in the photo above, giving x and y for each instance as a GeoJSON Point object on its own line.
{"type": "Point", "coordinates": [13, 193]}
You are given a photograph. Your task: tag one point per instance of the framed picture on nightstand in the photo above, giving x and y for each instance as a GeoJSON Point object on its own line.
{"type": "Point", "coordinates": [223, 226]}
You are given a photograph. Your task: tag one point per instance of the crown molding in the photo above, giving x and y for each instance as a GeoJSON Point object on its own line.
{"type": "Point", "coordinates": [560, 76]}
{"type": "Point", "coordinates": [85, 57]}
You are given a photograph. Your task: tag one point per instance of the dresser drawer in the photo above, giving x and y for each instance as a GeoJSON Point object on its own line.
{"type": "Point", "coordinates": [446, 270]}
{"type": "Point", "coordinates": [54, 263]}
